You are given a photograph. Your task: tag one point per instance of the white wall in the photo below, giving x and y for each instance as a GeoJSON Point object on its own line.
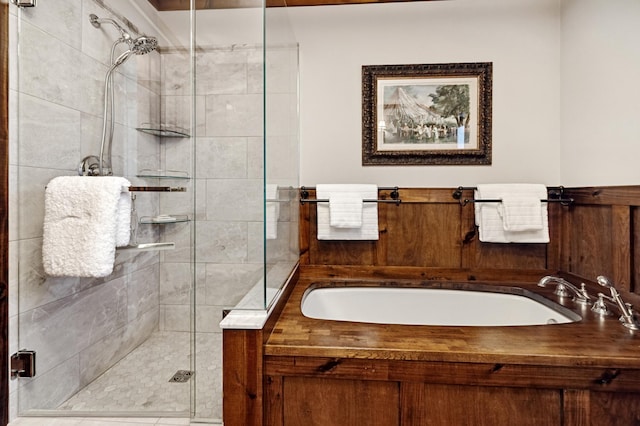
{"type": "Point", "coordinates": [520, 37]}
{"type": "Point", "coordinates": [601, 92]}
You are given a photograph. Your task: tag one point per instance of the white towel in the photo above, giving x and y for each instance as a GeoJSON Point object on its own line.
{"type": "Point", "coordinates": [491, 225]}
{"type": "Point", "coordinates": [520, 213]}
{"type": "Point", "coordinates": [369, 227]}
{"type": "Point", "coordinates": [82, 225]}
{"type": "Point", "coordinates": [345, 209]}
{"type": "Point", "coordinates": [272, 211]}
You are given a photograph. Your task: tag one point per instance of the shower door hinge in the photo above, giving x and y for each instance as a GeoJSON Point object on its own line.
{"type": "Point", "coordinates": [23, 364]}
{"type": "Point", "coordinates": [24, 3]}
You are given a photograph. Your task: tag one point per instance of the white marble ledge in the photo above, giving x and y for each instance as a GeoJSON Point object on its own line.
{"type": "Point", "coordinates": [244, 320]}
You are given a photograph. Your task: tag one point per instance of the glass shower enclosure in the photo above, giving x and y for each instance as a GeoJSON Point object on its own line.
{"type": "Point", "coordinates": [204, 125]}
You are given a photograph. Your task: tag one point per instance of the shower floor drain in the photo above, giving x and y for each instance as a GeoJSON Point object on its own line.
{"type": "Point", "coordinates": [181, 376]}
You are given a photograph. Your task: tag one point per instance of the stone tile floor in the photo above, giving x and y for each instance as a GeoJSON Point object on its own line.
{"type": "Point", "coordinates": [140, 383]}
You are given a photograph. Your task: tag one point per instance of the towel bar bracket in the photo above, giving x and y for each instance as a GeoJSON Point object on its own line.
{"type": "Point", "coordinates": [555, 195]}
{"type": "Point", "coordinates": [394, 194]}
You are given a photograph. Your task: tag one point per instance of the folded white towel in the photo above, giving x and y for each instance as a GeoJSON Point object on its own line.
{"type": "Point", "coordinates": [272, 211]}
{"type": "Point", "coordinates": [345, 209]}
{"type": "Point", "coordinates": [369, 227]}
{"type": "Point", "coordinates": [520, 213]}
{"type": "Point", "coordinates": [123, 220]}
{"type": "Point", "coordinates": [81, 225]}
{"type": "Point", "coordinates": [522, 229]}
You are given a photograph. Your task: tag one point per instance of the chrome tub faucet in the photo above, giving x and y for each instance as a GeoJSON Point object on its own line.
{"type": "Point", "coordinates": [565, 289]}
{"type": "Point", "coordinates": [628, 317]}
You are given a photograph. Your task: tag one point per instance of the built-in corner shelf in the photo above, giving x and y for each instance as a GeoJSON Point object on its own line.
{"type": "Point", "coordinates": [149, 247]}
{"type": "Point", "coordinates": [163, 130]}
{"type": "Point", "coordinates": [163, 174]}
{"type": "Point", "coordinates": [164, 219]}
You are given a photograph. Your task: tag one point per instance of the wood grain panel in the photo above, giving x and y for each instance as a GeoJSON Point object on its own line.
{"type": "Point", "coordinates": [591, 242]}
{"type": "Point", "coordinates": [614, 409]}
{"type": "Point", "coordinates": [635, 251]}
{"type": "Point", "coordinates": [423, 235]}
{"type": "Point", "coordinates": [4, 213]}
{"type": "Point", "coordinates": [445, 405]}
{"type": "Point", "coordinates": [166, 5]}
{"type": "Point", "coordinates": [605, 195]}
{"type": "Point", "coordinates": [328, 402]}
{"type": "Point", "coordinates": [242, 377]}
{"type": "Point", "coordinates": [576, 407]}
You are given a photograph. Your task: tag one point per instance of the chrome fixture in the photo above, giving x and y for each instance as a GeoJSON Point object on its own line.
{"type": "Point", "coordinates": [24, 3]}
{"type": "Point", "coordinates": [565, 289]}
{"type": "Point", "coordinates": [101, 165]}
{"type": "Point", "coordinates": [628, 318]}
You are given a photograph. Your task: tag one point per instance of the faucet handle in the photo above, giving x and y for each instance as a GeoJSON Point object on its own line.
{"type": "Point", "coordinates": [600, 307]}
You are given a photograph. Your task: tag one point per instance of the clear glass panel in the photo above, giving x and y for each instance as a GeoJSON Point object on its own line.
{"type": "Point", "coordinates": [105, 345]}
{"type": "Point", "coordinates": [281, 244]}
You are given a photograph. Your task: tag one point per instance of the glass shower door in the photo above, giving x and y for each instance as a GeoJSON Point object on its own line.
{"type": "Point", "coordinates": [116, 344]}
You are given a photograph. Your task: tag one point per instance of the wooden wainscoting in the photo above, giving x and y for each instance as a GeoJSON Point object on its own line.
{"type": "Point", "coordinates": [429, 228]}
{"type": "Point", "coordinates": [601, 236]}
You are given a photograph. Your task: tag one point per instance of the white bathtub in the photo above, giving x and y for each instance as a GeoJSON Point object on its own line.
{"type": "Point", "coordinates": [429, 306]}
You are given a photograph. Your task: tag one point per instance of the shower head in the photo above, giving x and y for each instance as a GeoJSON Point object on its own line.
{"type": "Point", "coordinates": [140, 46]}
{"type": "Point", "coordinates": [143, 45]}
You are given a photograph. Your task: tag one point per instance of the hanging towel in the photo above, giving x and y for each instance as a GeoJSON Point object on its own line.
{"type": "Point", "coordinates": [521, 213]}
{"type": "Point", "coordinates": [345, 209]}
{"type": "Point", "coordinates": [522, 209]}
{"type": "Point", "coordinates": [272, 211]}
{"type": "Point", "coordinates": [84, 220]}
{"type": "Point", "coordinates": [346, 194]}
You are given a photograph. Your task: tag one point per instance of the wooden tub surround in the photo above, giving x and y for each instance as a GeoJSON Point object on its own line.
{"type": "Point", "coordinates": [303, 371]}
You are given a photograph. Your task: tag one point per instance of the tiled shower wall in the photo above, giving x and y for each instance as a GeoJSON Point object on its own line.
{"type": "Point", "coordinates": [228, 183]}
{"type": "Point", "coordinates": [78, 327]}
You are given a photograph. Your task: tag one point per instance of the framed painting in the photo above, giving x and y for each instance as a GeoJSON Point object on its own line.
{"type": "Point", "coordinates": [429, 114]}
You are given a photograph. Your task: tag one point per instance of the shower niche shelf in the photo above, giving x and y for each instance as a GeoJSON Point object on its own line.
{"type": "Point", "coordinates": [164, 219]}
{"type": "Point", "coordinates": [149, 247]}
{"type": "Point", "coordinates": [163, 174]}
{"type": "Point", "coordinates": [163, 130]}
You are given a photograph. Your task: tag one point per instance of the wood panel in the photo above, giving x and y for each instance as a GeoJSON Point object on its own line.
{"type": "Point", "coordinates": [423, 234]}
{"type": "Point", "coordinates": [242, 377]}
{"type": "Point", "coordinates": [445, 405]}
{"type": "Point", "coordinates": [591, 242]}
{"type": "Point", "coordinates": [4, 213]}
{"type": "Point", "coordinates": [328, 402]}
{"type": "Point", "coordinates": [430, 228]}
{"type": "Point", "coordinates": [166, 5]}
{"type": "Point", "coordinates": [614, 409]}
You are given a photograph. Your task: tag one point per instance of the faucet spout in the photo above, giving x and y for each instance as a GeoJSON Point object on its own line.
{"type": "Point", "coordinates": [565, 289]}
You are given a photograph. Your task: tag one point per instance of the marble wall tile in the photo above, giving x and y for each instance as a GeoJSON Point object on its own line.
{"type": "Point", "coordinates": [35, 393]}
{"type": "Point", "coordinates": [61, 19]}
{"type": "Point", "coordinates": [227, 284]}
{"type": "Point", "coordinates": [91, 314]}
{"type": "Point", "coordinates": [175, 318]}
{"type": "Point", "coordinates": [180, 234]}
{"type": "Point", "coordinates": [175, 72]}
{"type": "Point", "coordinates": [142, 291]}
{"type": "Point", "coordinates": [51, 77]}
{"type": "Point", "coordinates": [255, 242]}
{"type": "Point", "coordinates": [255, 72]}
{"type": "Point", "coordinates": [13, 203]}
{"type": "Point", "coordinates": [31, 186]}
{"type": "Point", "coordinates": [176, 112]}
{"type": "Point", "coordinates": [255, 158]}
{"type": "Point", "coordinates": [226, 72]}
{"type": "Point", "coordinates": [178, 156]}
{"type": "Point", "coordinates": [175, 283]}
{"type": "Point", "coordinates": [97, 358]}
{"type": "Point", "coordinates": [208, 318]}
{"type": "Point", "coordinates": [90, 90]}
{"type": "Point", "coordinates": [234, 115]}
{"type": "Point", "coordinates": [221, 158]}
{"type": "Point", "coordinates": [221, 242]}
{"type": "Point", "coordinates": [49, 134]}
{"type": "Point", "coordinates": [235, 200]}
